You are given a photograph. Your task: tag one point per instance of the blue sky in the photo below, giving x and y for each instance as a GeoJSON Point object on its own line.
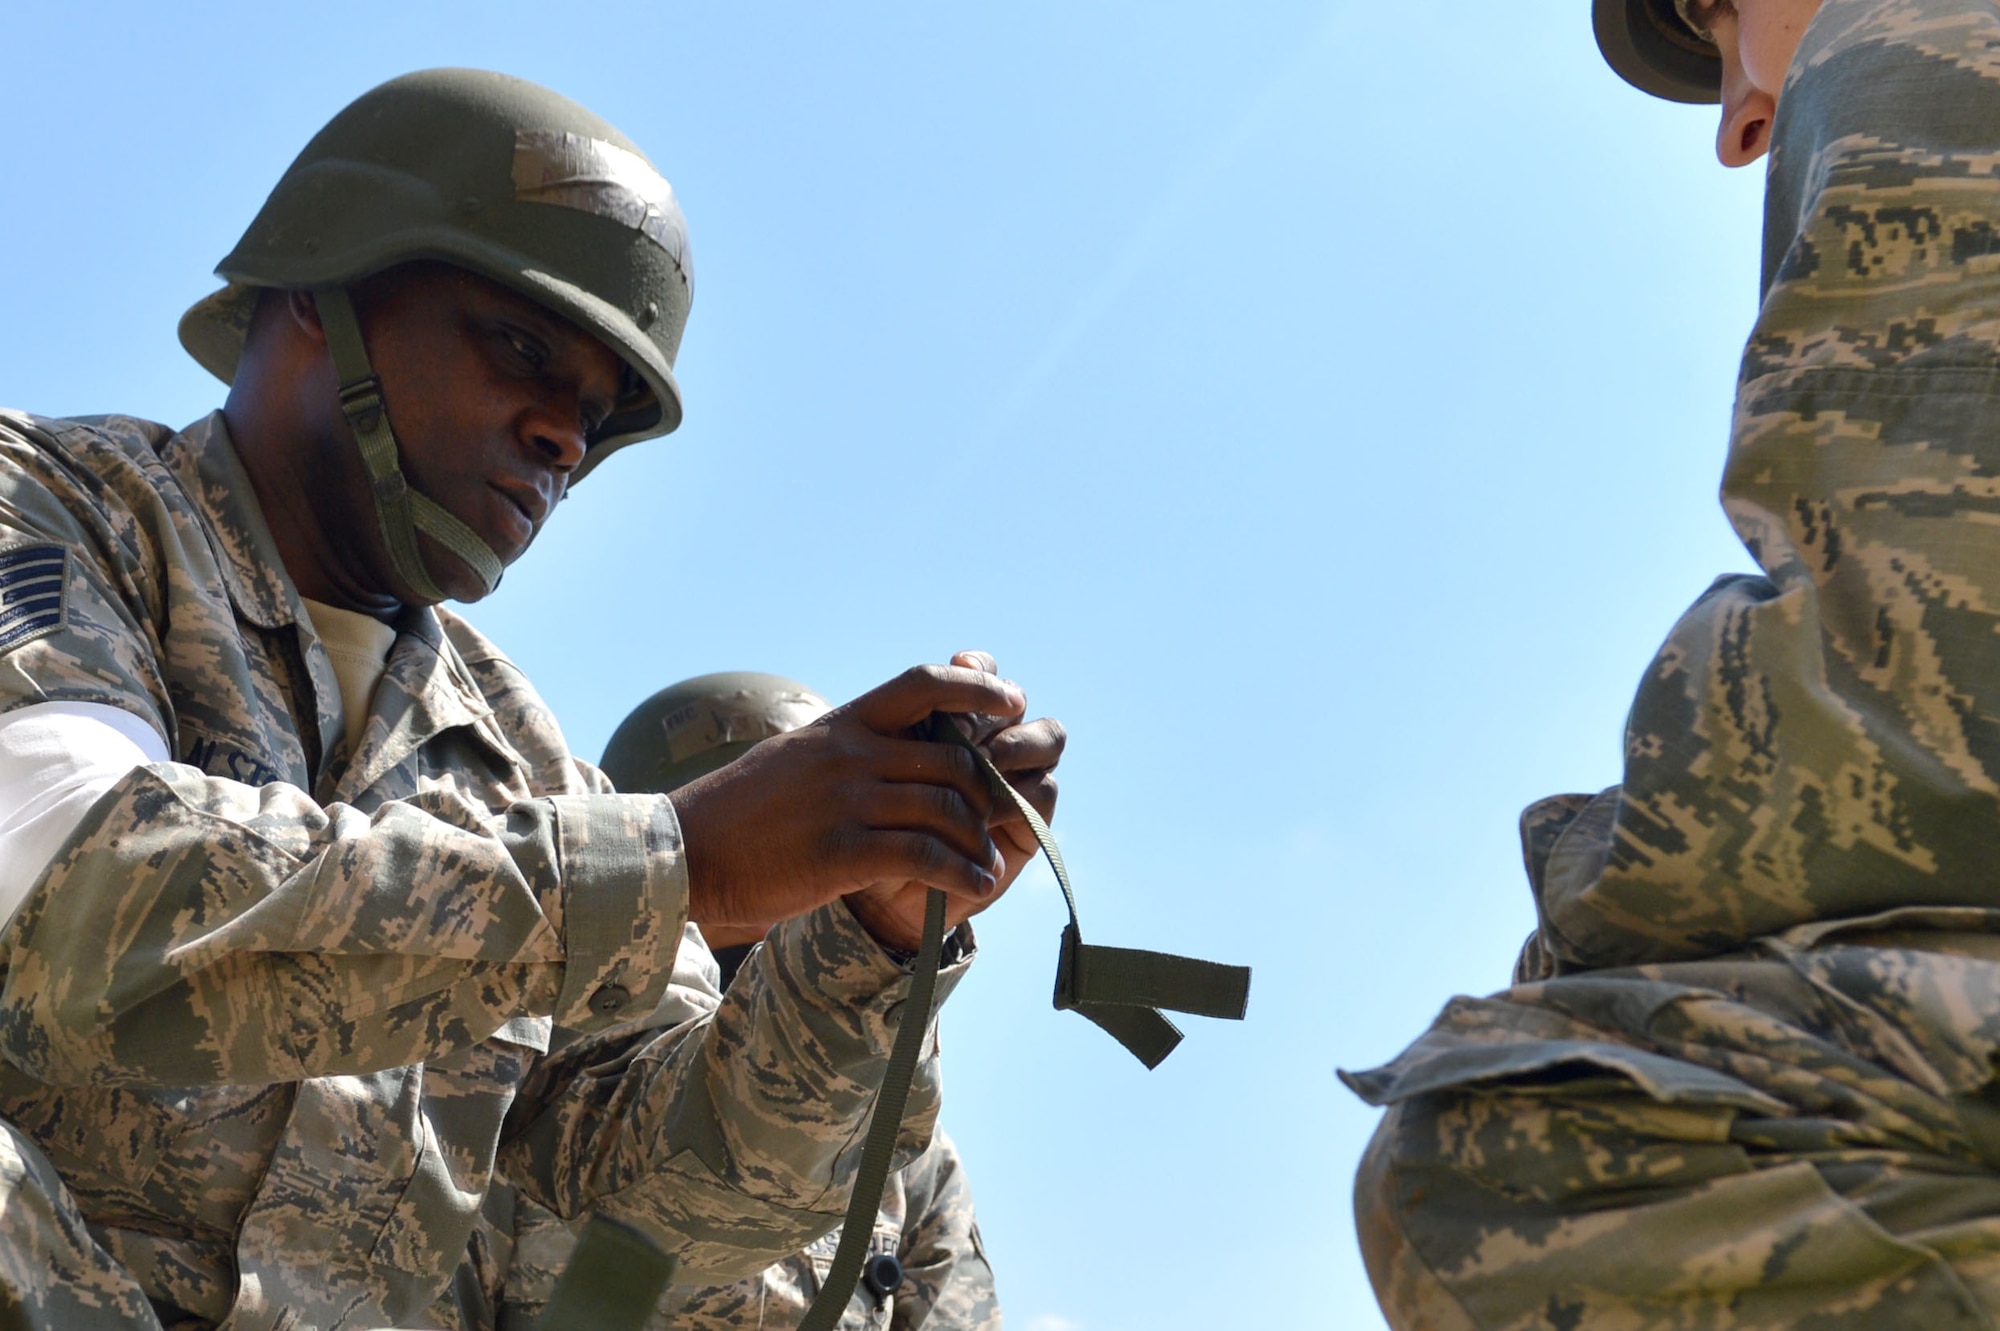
{"type": "Point", "coordinates": [1319, 407]}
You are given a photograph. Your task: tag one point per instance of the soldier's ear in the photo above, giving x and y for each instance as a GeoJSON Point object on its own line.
{"type": "Point", "coordinates": [303, 311]}
{"type": "Point", "coordinates": [1745, 132]}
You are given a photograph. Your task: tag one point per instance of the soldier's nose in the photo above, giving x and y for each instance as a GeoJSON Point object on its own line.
{"type": "Point", "coordinates": [560, 445]}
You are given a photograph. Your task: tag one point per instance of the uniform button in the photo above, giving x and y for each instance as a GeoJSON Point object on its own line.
{"type": "Point", "coordinates": [883, 1274]}
{"type": "Point", "coordinates": [610, 1000]}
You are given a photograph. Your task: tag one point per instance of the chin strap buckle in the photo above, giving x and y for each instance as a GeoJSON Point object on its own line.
{"type": "Point", "coordinates": [401, 510]}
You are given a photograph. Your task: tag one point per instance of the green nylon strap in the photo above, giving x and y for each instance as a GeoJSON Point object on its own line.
{"type": "Point", "coordinates": [613, 1282]}
{"type": "Point", "coordinates": [402, 511]}
{"type": "Point", "coordinates": [885, 1124]}
{"type": "Point", "coordinates": [1120, 989]}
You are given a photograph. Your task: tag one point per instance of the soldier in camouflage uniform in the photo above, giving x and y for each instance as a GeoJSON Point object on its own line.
{"type": "Point", "coordinates": [285, 955]}
{"type": "Point", "coordinates": [1746, 1077]}
{"type": "Point", "coordinates": [928, 1267]}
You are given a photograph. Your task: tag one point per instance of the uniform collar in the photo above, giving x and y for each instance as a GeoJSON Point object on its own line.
{"type": "Point", "coordinates": [427, 688]}
{"type": "Point", "coordinates": [213, 476]}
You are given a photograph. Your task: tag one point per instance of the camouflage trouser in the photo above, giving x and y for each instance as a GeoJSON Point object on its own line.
{"type": "Point", "coordinates": [1505, 1211]}
{"type": "Point", "coordinates": [53, 1274]}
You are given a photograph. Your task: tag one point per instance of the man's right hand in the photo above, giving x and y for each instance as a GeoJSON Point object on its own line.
{"type": "Point", "coordinates": [852, 801]}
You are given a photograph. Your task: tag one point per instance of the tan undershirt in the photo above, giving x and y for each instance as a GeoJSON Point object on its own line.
{"type": "Point", "coordinates": [359, 646]}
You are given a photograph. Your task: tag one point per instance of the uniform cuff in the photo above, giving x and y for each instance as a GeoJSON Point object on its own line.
{"type": "Point", "coordinates": [625, 894]}
{"type": "Point", "coordinates": [848, 986]}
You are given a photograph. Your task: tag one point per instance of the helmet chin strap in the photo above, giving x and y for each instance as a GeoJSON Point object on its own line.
{"type": "Point", "coordinates": [402, 511]}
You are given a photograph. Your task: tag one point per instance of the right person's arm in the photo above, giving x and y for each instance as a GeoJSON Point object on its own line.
{"type": "Point", "coordinates": [1823, 741]}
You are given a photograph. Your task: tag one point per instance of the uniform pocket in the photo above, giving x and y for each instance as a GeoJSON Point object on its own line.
{"type": "Point", "coordinates": [461, 1104]}
{"type": "Point", "coordinates": [1497, 1044]}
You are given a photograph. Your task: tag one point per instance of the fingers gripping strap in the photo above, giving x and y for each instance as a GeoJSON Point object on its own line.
{"type": "Point", "coordinates": [1114, 987]}
{"type": "Point", "coordinates": [613, 1282]}
{"type": "Point", "coordinates": [885, 1124]}
{"type": "Point", "coordinates": [1119, 988]}
{"type": "Point", "coordinates": [402, 511]}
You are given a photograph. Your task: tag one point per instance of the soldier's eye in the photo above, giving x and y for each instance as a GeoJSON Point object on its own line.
{"type": "Point", "coordinates": [530, 352]}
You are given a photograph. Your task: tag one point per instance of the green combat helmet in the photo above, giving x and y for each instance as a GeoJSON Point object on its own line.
{"type": "Point", "coordinates": [494, 175]}
{"type": "Point", "coordinates": [1651, 45]}
{"type": "Point", "coordinates": [692, 728]}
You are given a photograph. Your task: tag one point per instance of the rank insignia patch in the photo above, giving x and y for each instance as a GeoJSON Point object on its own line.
{"type": "Point", "coordinates": [33, 584]}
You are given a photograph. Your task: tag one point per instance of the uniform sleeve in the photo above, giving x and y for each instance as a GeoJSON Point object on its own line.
{"type": "Point", "coordinates": [1823, 740]}
{"type": "Point", "coordinates": [947, 1283]}
{"type": "Point", "coordinates": [199, 931]}
{"type": "Point", "coordinates": [733, 1140]}
{"type": "Point", "coordinates": [83, 582]}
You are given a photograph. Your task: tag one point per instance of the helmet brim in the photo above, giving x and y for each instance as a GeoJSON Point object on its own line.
{"type": "Point", "coordinates": [1647, 45]}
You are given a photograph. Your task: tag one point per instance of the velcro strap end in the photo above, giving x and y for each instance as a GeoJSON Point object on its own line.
{"type": "Point", "coordinates": [1148, 1036]}
{"type": "Point", "coordinates": [1137, 978]}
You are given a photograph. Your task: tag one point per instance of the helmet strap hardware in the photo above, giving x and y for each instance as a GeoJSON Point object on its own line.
{"type": "Point", "coordinates": [401, 510]}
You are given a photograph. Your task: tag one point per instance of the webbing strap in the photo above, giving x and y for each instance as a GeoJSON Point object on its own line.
{"type": "Point", "coordinates": [402, 511]}
{"type": "Point", "coordinates": [613, 1282]}
{"type": "Point", "coordinates": [1119, 988]}
{"type": "Point", "coordinates": [885, 1124]}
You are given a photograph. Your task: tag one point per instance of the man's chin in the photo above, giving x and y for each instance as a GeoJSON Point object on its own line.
{"type": "Point", "coordinates": [457, 579]}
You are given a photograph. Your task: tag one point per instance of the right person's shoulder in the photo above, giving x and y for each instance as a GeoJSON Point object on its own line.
{"type": "Point", "coordinates": [1880, 170]}
{"type": "Point", "coordinates": [1859, 49]}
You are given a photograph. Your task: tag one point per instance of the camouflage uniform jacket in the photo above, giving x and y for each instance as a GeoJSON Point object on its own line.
{"type": "Point", "coordinates": [926, 1222]}
{"type": "Point", "coordinates": [278, 1011]}
{"type": "Point", "coordinates": [1747, 1075]}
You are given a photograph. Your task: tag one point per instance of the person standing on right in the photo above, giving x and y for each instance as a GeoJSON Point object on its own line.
{"type": "Point", "coordinates": [1746, 1078]}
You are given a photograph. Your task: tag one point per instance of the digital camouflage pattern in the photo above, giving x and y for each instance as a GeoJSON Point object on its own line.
{"type": "Point", "coordinates": [1746, 1078]}
{"type": "Point", "coordinates": [52, 1272]}
{"type": "Point", "coordinates": [926, 1221]}
{"type": "Point", "coordinates": [278, 1012]}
